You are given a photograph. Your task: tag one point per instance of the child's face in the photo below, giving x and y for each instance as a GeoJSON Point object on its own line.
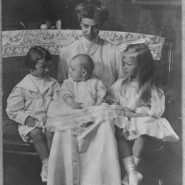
{"type": "Point", "coordinates": [130, 65]}
{"type": "Point", "coordinates": [41, 68]}
{"type": "Point", "coordinates": [75, 70]}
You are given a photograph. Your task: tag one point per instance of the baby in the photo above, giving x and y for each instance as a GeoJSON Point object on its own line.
{"type": "Point", "coordinates": [81, 89]}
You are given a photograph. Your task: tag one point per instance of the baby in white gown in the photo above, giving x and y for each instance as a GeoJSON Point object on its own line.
{"type": "Point", "coordinates": [82, 90]}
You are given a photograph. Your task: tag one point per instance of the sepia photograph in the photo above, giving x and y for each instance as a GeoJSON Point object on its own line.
{"type": "Point", "coordinates": [92, 92]}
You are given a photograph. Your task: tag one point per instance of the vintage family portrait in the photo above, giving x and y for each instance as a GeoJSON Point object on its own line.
{"type": "Point", "coordinates": [92, 92]}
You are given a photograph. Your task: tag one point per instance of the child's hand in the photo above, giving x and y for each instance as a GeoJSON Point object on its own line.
{"type": "Point", "coordinates": [31, 121]}
{"type": "Point", "coordinates": [99, 101]}
{"type": "Point", "coordinates": [76, 105]}
{"type": "Point", "coordinates": [130, 114]}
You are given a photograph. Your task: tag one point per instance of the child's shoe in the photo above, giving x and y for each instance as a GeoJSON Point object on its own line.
{"type": "Point", "coordinates": [44, 171]}
{"type": "Point", "coordinates": [125, 180]}
{"type": "Point", "coordinates": [133, 179]}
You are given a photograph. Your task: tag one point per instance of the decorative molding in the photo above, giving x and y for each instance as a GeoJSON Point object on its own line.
{"type": "Point", "coordinates": [17, 43]}
{"type": "Point", "coordinates": [158, 2]}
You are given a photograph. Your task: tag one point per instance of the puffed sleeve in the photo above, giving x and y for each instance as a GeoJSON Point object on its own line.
{"type": "Point", "coordinates": [15, 106]}
{"type": "Point", "coordinates": [101, 90]}
{"type": "Point", "coordinates": [67, 89]}
{"type": "Point", "coordinates": [157, 105]}
{"type": "Point", "coordinates": [62, 65]}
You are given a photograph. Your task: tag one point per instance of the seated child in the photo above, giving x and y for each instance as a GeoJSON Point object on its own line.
{"type": "Point", "coordinates": [144, 104]}
{"type": "Point", "coordinates": [81, 89]}
{"type": "Point", "coordinates": [29, 100]}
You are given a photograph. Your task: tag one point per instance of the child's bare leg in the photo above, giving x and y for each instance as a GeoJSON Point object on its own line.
{"type": "Point", "coordinates": [49, 137]}
{"type": "Point", "coordinates": [41, 147]}
{"type": "Point", "coordinates": [139, 146]}
{"type": "Point", "coordinates": [124, 147]}
{"type": "Point", "coordinates": [138, 149]}
{"type": "Point", "coordinates": [125, 153]}
{"type": "Point", "coordinates": [40, 144]}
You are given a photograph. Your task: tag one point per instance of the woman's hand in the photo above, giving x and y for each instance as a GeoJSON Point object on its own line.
{"type": "Point", "coordinates": [31, 121]}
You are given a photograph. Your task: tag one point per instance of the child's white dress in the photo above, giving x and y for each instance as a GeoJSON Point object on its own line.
{"type": "Point", "coordinates": [31, 97]}
{"type": "Point", "coordinates": [83, 155]}
{"type": "Point", "coordinates": [127, 95]}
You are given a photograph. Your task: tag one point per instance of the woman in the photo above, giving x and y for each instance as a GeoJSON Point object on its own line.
{"type": "Point", "coordinates": [91, 157]}
{"type": "Point", "coordinates": [106, 56]}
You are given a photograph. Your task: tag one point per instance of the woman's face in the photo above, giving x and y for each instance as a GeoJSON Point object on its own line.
{"type": "Point", "coordinates": [90, 28]}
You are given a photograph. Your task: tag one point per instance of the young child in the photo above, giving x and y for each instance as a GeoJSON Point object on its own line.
{"type": "Point", "coordinates": [144, 104]}
{"type": "Point", "coordinates": [29, 100]}
{"type": "Point", "coordinates": [81, 90]}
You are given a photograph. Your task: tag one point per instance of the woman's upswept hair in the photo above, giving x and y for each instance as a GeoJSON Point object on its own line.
{"type": "Point", "coordinates": [92, 9]}
{"type": "Point", "coordinates": [35, 54]}
{"type": "Point", "coordinates": [145, 69]}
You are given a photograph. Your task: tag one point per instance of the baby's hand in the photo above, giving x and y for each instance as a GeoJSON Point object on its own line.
{"type": "Point", "coordinates": [99, 101]}
{"type": "Point", "coordinates": [31, 121]}
{"type": "Point", "coordinates": [76, 105]}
